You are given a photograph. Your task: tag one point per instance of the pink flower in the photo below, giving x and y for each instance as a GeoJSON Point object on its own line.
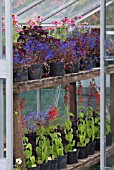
{"type": "Point", "coordinates": [55, 22]}
{"type": "Point", "coordinates": [49, 28]}
{"type": "Point", "coordinates": [79, 17]}
{"type": "Point", "coordinates": [39, 19]}
{"type": "Point", "coordinates": [66, 20]}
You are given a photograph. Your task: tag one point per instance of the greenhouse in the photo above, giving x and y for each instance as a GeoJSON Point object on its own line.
{"type": "Point", "coordinates": [56, 84]}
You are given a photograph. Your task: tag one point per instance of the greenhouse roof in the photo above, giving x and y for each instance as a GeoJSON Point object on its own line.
{"type": "Point", "coordinates": [54, 9]}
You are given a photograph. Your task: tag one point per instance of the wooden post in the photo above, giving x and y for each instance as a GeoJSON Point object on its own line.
{"type": "Point", "coordinates": [17, 132]}
{"type": "Point", "coordinates": [73, 103]}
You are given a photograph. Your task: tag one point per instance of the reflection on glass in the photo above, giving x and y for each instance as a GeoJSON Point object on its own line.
{"type": "Point", "coordinates": [2, 119]}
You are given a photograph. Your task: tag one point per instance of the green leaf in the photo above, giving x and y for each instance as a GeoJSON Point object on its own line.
{"type": "Point", "coordinates": [32, 158]}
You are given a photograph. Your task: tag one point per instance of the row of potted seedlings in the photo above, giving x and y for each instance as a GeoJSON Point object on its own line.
{"type": "Point", "coordinates": [53, 146]}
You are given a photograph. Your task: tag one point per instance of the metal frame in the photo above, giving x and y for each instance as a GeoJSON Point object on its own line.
{"type": "Point", "coordinates": [38, 101]}
{"type": "Point", "coordinates": [32, 5]}
{"type": "Point", "coordinates": [102, 84]}
{"type": "Point", "coordinates": [6, 71]}
{"type": "Point", "coordinates": [2, 75]}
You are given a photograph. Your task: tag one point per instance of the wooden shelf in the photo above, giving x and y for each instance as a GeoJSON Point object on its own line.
{"type": "Point", "coordinates": [91, 160]}
{"type": "Point", "coordinates": [53, 81]}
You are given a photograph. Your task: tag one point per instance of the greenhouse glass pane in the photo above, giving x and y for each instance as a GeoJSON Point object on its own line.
{"type": "Point", "coordinates": [42, 9]}
{"type": "Point", "coordinates": [19, 4]}
{"type": "Point", "coordinates": [94, 19]}
{"type": "Point", "coordinates": [78, 8]}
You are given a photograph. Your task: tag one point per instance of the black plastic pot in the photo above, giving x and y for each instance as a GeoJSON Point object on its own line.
{"type": "Point", "coordinates": [97, 145]}
{"type": "Point", "coordinates": [72, 157]}
{"type": "Point", "coordinates": [88, 63]}
{"type": "Point", "coordinates": [57, 69]}
{"type": "Point", "coordinates": [35, 72]}
{"type": "Point", "coordinates": [91, 148]}
{"type": "Point", "coordinates": [61, 162]}
{"type": "Point", "coordinates": [73, 69]}
{"type": "Point", "coordinates": [53, 164]}
{"type": "Point", "coordinates": [45, 166]}
{"type": "Point", "coordinates": [20, 75]}
{"type": "Point", "coordinates": [109, 139]}
{"type": "Point", "coordinates": [98, 62]}
{"type": "Point", "coordinates": [82, 152]}
{"type": "Point", "coordinates": [34, 168]}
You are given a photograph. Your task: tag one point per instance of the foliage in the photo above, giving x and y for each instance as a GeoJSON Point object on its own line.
{"type": "Point", "coordinates": [29, 158]}
{"type": "Point", "coordinates": [97, 125]}
{"type": "Point", "coordinates": [68, 130]}
{"type": "Point", "coordinates": [82, 129]}
{"type": "Point", "coordinates": [69, 136]}
{"type": "Point", "coordinates": [90, 123]}
{"type": "Point", "coordinates": [108, 125]}
{"type": "Point", "coordinates": [62, 28]}
{"type": "Point", "coordinates": [56, 146]}
{"type": "Point", "coordinates": [43, 148]}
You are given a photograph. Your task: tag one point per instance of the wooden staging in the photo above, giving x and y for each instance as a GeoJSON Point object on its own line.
{"type": "Point", "coordinates": [84, 164]}
{"type": "Point", "coordinates": [54, 81]}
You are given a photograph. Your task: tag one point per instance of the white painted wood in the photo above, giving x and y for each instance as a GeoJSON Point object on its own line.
{"type": "Point", "coordinates": [2, 68]}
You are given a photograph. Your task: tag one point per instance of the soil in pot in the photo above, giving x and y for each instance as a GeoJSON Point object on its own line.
{"type": "Point", "coordinates": [53, 164]}
{"type": "Point", "coordinates": [82, 152]}
{"type": "Point", "coordinates": [57, 69]}
{"type": "Point", "coordinates": [97, 145]}
{"type": "Point", "coordinates": [72, 69]}
{"type": "Point", "coordinates": [61, 162]}
{"type": "Point", "coordinates": [91, 148]}
{"type": "Point", "coordinates": [44, 166]}
{"type": "Point", "coordinates": [109, 139]}
{"type": "Point", "coordinates": [72, 157]}
{"type": "Point", "coordinates": [35, 72]}
{"type": "Point", "coordinates": [20, 75]}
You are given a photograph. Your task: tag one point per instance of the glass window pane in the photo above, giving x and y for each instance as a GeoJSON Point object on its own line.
{"type": "Point", "coordinates": [42, 9]}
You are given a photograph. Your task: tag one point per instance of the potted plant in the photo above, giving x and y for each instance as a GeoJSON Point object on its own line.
{"type": "Point", "coordinates": [57, 149]}
{"type": "Point", "coordinates": [30, 161]}
{"type": "Point", "coordinates": [20, 69]}
{"type": "Point", "coordinates": [90, 130]}
{"type": "Point", "coordinates": [72, 154]}
{"type": "Point", "coordinates": [83, 140]}
{"type": "Point", "coordinates": [43, 148]}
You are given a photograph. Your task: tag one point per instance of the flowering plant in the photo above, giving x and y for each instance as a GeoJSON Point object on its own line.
{"type": "Point", "coordinates": [16, 28]}
{"type": "Point", "coordinates": [17, 163]}
{"type": "Point", "coordinates": [62, 28]}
